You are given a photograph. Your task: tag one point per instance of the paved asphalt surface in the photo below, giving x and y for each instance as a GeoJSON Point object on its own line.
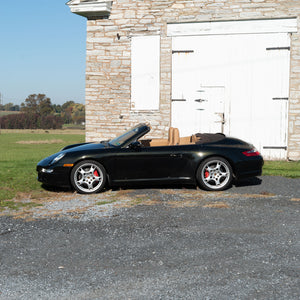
{"type": "Point", "coordinates": [241, 244]}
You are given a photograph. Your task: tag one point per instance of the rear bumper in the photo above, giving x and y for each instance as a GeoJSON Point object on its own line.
{"type": "Point", "coordinates": [249, 168]}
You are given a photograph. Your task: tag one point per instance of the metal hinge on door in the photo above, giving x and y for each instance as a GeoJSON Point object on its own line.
{"type": "Point", "coordinates": [275, 147]}
{"type": "Point", "coordinates": [178, 100]}
{"type": "Point", "coordinates": [278, 48]}
{"type": "Point", "coordinates": [281, 98]}
{"type": "Point", "coordinates": [200, 100]}
{"type": "Point", "coordinates": [182, 51]}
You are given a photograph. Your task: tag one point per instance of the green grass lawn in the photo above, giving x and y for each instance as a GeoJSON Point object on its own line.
{"type": "Point", "coordinates": [282, 168]}
{"type": "Point", "coordinates": [74, 126]}
{"type": "Point", "coordinates": [19, 155]}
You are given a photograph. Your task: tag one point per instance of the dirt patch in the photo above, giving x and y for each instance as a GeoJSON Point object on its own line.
{"type": "Point", "coordinates": [50, 131]}
{"type": "Point", "coordinates": [262, 196]}
{"type": "Point", "coordinates": [217, 205]}
{"type": "Point", "coordinates": [109, 203]}
{"type": "Point", "coordinates": [295, 199]}
{"type": "Point", "coordinates": [54, 141]}
{"type": "Point", "coordinates": [169, 192]}
{"type": "Point", "coordinates": [183, 203]}
{"type": "Point", "coordinates": [267, 194]}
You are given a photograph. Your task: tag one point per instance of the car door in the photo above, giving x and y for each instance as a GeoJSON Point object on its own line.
{"type": "Point", "coordinates": [149, 163]}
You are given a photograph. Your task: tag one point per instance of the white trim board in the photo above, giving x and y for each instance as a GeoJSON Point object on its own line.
{"type": "Point", "coordinates": [90, 8]}
{"type": "Point", "coordinates": [233, 27]}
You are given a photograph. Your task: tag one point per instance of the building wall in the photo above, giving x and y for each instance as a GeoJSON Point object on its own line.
{"type": "Point", "coordinates": [108, 68]}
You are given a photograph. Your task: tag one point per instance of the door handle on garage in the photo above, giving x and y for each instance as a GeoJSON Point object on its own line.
{"type": "Point", "coordinates": [177, 155]}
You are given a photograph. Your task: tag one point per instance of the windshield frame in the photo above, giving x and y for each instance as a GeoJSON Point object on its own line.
{"type": "Point", "coordinates": [129, 136]}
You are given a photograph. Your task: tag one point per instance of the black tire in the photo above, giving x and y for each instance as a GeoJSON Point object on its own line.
{"type": "Point", "coordinates": [214, 174]}
{"type": "Point", "coordinates": [88, 177]}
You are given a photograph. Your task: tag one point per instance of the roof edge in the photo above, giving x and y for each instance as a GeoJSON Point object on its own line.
{"type": "Point", "coordinates": [91, 8]}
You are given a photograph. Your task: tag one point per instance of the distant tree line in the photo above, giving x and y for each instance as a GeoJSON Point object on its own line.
{"type": "Point", "coordinates": [37, 112]}
{"type": "Point", "coordinates": [9, 107]}
{"type": "Point", "coordinates": [30, 121]}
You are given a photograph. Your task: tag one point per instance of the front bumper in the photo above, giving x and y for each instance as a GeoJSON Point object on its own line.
{"type": "Point", "coordinates": [54, 176]}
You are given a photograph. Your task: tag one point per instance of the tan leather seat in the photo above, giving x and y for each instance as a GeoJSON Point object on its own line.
{"type": "Point", "coordinates": [193, 138]}
{"type": "Point", "coordinates": [173, 139]}
{"type": "Point", "coordinates": [171, 136]}
{"type": "Point", "coordinates": [176, 137]}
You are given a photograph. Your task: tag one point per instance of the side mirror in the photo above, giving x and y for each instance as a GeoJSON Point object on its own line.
{"type": "Point", "coordinates": [135, 145]}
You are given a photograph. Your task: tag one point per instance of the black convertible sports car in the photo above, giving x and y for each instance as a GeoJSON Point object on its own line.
{"type": "Point", "coordinates": [209, 160]}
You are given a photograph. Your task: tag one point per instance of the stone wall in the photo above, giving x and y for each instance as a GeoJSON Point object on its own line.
{"type": "Point", "coordinates": [108, 68]}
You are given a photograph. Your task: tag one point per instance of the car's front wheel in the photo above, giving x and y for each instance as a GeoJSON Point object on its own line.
{"type": "Point", "coordinates": [214, 174]}
{"type": "Point", "coordinates": [88, 177]}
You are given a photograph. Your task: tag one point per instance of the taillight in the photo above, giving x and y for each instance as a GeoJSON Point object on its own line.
{"type": "Point", "coordinates": [252, 152]}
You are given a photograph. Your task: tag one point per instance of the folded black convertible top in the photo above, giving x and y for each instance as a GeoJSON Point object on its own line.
{"type": "Point", "coordinates": [203, 138]}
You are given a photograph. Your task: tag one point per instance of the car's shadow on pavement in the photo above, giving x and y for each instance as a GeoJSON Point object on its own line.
{"type": "Point", "coordinates": [56, 189]}
{"type": "Point", "coordinates": [154, 187]}
{"type": "Point", "coordinates": [236, 183]}
{"type": "Point", "coordinates": [247, 182]}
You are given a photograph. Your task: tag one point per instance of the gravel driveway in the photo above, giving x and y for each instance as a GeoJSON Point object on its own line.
{"type": "Point", "coordinates": [156, 244]}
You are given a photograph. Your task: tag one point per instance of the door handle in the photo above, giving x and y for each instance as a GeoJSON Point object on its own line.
{"type": "Point", "coordinates": [222, 116]}
{"type": "Point", "coordinates": [176, 155]}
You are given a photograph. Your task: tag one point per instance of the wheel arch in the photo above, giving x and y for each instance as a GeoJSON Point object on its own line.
{"type": "Point", "coordinates": [215, 173]}
{"type": "Point", "coordinates": [90, 159]}
{"type": "Point", "coordinates": [86, 186]}
{"type": "Point", "coordinates": [230, 161]}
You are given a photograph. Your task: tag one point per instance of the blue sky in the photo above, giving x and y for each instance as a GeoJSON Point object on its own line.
{"type": "Point", "coordinates": [42, 46]}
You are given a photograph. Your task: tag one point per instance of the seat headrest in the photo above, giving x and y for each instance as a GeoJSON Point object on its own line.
{"type": "Point", "coordinates": [170, 136]}
{"type": "Point", "coordinates": [176, 137]}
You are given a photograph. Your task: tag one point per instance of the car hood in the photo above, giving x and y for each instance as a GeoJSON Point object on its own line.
{"type": "Point", "coordinates": [74, 148]}
{"type": "Point", "coordinates": [86, 146]}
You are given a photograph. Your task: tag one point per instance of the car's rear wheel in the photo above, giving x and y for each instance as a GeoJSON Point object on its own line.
{"type": "Point", "coordinates": [214, 174]}
{"type": "Point", "coordinates": [88, 177]}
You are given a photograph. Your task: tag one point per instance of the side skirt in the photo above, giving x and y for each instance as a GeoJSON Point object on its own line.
{"type": "Point", "coordinates": [160, 181]}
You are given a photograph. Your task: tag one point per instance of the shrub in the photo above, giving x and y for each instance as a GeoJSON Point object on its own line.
{"type": "Point", "coordinates": [30, 121]}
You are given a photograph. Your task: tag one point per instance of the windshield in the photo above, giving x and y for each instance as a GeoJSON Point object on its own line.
{"type": "Point", "coordinates": [135, 131]}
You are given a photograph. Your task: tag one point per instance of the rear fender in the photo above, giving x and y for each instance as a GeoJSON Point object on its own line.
{"type": "Point", "coordinates": [217, 155]}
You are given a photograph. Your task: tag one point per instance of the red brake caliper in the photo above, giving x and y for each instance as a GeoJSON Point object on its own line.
{"type": "Point", "coordinates": [96, 173]}
{"type": "Point", "coordinates": [206, 174]}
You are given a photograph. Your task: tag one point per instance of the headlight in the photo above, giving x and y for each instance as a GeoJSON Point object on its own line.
{"type": "Point", "coordinates": [47, 171]}
{"type": "Point", "coordinates": [57, 158]}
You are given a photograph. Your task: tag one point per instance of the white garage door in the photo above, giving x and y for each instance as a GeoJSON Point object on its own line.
{"type": "Point", "coordinates": [237, 84]}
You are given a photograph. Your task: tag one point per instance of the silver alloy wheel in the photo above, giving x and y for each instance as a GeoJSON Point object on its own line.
{"type": "Point", "coordinates": [215, 174]}
{"type": "Point", "coordinates": [88, 177]}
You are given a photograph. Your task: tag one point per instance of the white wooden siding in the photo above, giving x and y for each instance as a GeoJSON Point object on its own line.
{"type": "Point", "coordinates": [253, 82]}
